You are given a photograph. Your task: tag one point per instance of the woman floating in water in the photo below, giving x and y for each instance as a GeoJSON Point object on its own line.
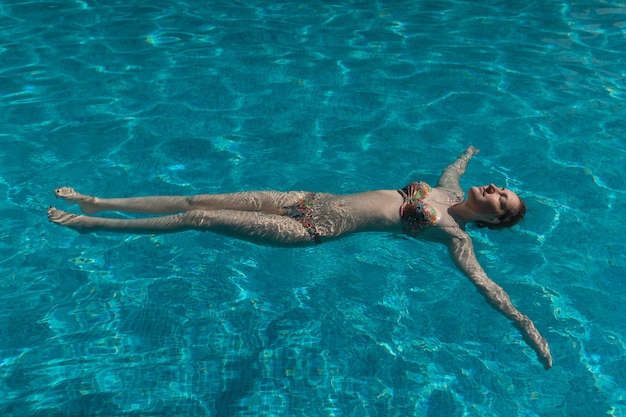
{"type": "Point", "coordinates": [298, 218]}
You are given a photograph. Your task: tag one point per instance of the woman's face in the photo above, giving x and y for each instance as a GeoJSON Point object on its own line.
{"type": "Point", "coordinates": [492, 201]}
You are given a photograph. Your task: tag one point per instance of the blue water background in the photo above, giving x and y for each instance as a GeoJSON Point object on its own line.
{"type": "Point", "coordinates": [140, 98]}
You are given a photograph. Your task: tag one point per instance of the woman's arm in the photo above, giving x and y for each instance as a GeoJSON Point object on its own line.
{"type": "Point", "coordinates": [462, 252]}
{"type": "Point", "coordinates": [450, 176]}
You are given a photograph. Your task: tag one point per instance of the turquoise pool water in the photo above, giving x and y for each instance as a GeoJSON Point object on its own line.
{"type": "Point", "coordinates": [138, 98]}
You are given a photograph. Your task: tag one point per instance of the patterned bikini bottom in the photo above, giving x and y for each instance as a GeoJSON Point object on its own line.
{"type": "Point", "coordinates": [302, 212]}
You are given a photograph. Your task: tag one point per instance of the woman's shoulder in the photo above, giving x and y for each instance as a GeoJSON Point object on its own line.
{"type": "Point", "coordinates": [444, 231]}
{"type": "Point", "coordinates": [446, 224]}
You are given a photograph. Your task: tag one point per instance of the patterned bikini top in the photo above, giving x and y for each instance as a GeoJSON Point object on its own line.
{"type": "Point", "coordinates": [415, 214]}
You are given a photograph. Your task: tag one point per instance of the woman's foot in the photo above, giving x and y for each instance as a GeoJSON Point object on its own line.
{"type": "Point", "coordinates": [87, 204]}
{"type": "Point", "coordinates": [81, 224]}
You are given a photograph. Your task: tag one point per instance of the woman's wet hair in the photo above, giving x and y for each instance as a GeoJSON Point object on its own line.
{"type": "Point", "coordinates": [508, 219]}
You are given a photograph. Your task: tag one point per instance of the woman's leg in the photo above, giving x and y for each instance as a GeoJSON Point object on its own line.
{"type": "Point", "coordinates": [263, 201]}
{"type": "Point", "coordinates": [248, 225]}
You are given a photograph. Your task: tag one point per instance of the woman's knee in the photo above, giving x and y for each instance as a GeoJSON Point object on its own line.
{"type": "Point", "coordinates": [196, 218]}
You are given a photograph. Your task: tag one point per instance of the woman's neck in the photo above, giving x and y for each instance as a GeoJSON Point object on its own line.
{"type": "Point", "coordinates": [461, 213]}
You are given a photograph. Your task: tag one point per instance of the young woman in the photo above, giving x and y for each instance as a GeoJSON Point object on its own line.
{"type": "Point", "coordinates": [298, 218]}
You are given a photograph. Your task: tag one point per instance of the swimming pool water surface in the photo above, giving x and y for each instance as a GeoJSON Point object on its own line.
{"type": "Point", "coordinates": [147, 98]}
